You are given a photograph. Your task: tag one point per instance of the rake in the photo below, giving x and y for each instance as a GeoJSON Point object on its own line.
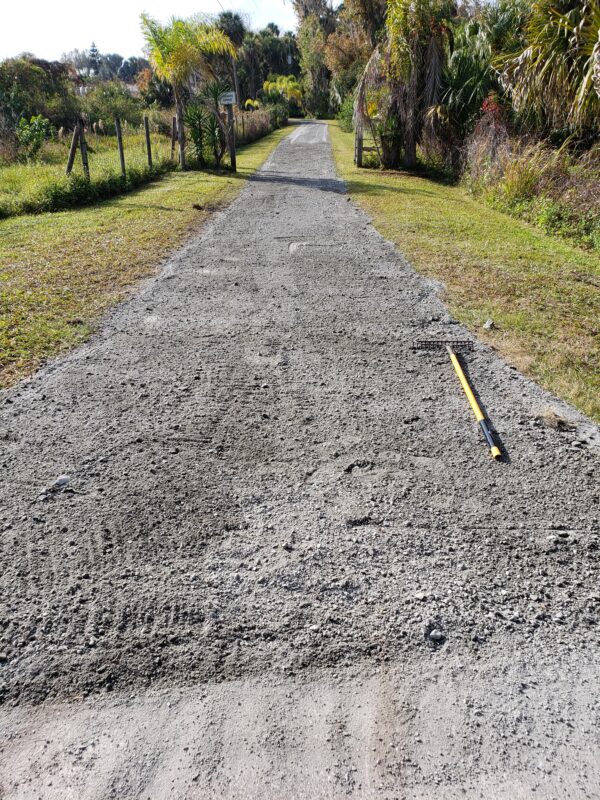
{"type": "Point", "coordinates": [451, 346]}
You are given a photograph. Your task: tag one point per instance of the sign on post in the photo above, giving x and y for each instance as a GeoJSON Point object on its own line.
{"type": "Point", "coordinates": [227, 99]}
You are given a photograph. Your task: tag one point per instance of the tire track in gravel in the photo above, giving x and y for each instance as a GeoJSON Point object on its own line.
{"type": "Point", "coordinates": [272, 501]}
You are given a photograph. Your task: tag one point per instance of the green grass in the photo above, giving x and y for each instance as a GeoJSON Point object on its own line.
{"type": "Point", "coordinates": [41, 186]}
{"type": "Point", "coordinates": [60, 271]}
{"type": "Point", "coordinates": [542, 293]}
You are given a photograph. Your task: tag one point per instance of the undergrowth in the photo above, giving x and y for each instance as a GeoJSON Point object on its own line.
{"type": "Point", "coordinates": [557, 189]}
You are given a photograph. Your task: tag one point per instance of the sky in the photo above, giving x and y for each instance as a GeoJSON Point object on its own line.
{"type": "Point", "coordinates": [49, 28]}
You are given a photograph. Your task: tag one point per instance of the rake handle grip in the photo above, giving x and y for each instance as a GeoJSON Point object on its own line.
{"type": "Point", "coordinates": [479, 416]}
{"type": "Point", "coordinates": [494, 449]}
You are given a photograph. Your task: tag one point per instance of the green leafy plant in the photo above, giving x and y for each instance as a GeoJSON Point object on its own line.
{"type": "Point", "coordinates": [180, 50]}
{"type": "Point", "coordinates": [555, 77]}
{"type": "Point", "coordinates": [197, 120]}
{"type": "Point", "coordinates": [346, 113]}
{"type": "Point", "coordinates": [31, 136]}
{"type": "Point", "coordinates": [111, 99]}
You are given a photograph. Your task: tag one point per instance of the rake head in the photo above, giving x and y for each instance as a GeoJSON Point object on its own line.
{"type": "Point", "coordinates": [442, 344]}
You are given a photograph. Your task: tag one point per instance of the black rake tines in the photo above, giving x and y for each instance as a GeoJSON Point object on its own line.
{"type": "Point", "coordinates": [441, 344]}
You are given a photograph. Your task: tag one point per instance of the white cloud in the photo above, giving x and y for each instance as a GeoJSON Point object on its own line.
{"type": "Point", "coordinates": [49, 29]}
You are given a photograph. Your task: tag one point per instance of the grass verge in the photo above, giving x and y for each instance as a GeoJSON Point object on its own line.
{"type": "Point", "coordinates": [43, 186]}
{"type": "Point", "coordinates": [542, 293]}
{"type": "Point", "coordinates": [60, 271]}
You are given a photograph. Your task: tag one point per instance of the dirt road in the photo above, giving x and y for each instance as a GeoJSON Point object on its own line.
{"type": "Point", "coordinates": [231, 523]}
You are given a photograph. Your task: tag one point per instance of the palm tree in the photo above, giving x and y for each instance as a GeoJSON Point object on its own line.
{"type": "Point", "coordinates": [179, 51]}
{"type": "Point", "coordinates": [418, 32]}
{"type": "Point", "coordinates": [233, 26]}
{"type": "Point", "coordinates": [555, 79]}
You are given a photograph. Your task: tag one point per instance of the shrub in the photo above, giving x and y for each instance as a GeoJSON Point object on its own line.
{"type": "Point", "coordinates": [31, 136]}
{"type": "Point", "coordinates": [196, 118]}
{"type": "Point", "coordinates": [109, 100]}
{"type": "Point", "coordinates": [76, 190]}
{"type": "Point", "coordinates": [346, 113]}
{"type": "Point", "coordinates": [279, 112]}
{"type": "Point", "coordinates": [161, 119]}
{"type": "Point", "coordinates": [31, 86]}
{"type": "Point", "coordinates": [556, 189]}
{"type": "Point", "coordinates": [283, 87]}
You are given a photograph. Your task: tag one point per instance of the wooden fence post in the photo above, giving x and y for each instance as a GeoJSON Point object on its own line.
{"type": "Point", "coordinates": [73, 149]}
{"type": "Point", "coordinates": [358, 145]}
{"type": "Point", "coordinates": [148, 146]}
{"type": "Point", "coordinates": [173, 137]}
{"type": "Point", "coordinates": [231, 137]}
{"type": "Point", "coordinates": [84, 151]}
{"type": "Point", "coordinates": [120, 146]}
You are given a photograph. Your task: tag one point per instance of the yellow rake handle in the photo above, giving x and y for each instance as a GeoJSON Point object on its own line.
{"type": "Point", "coordinates": [479, 416]}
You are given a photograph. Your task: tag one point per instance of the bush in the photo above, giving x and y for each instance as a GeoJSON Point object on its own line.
{"type": "Point", "coordinates": [345, 114]}
{"type": "Point", "coordinates": [196, 119]}
{"type": "Point", "coordinates": [279, 112]}
{"type": "Point", "coordinates": [161, 120]}
{"type": "Point", "coordinates": [556, 189]}
{"type": "Point", "coordinates": [31, 86]}
{"type": "Point", "coordinates": [285, 88]}
{"type": "Point", "coordinates": [31, 136]}
{"type": "Point", "coordinates": [109, 100]}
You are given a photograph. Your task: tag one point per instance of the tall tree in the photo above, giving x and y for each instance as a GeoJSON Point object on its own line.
{"type": "Point", "coordinates": [233, 26]}
{"type": "Point", "coordinates": [418, 33]}
{"type": "Point", "coordinates": [94, 58]}
{"type": "Point", "coordinates": [370, 15]}
{"type": "Point", "coordinates": [347, 52]}
{"type": "Point", "coordinates": [179, 51]}
{"type": "Point", "coordinates": [131, 68]}
{"type": "Point", "coordinates": [312, 40]}
{"type": "Point", "coordinates": [316, 21]}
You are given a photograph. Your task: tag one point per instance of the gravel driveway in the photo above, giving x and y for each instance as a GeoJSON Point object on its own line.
{"type": "Point", "coordinates": [231, 523]}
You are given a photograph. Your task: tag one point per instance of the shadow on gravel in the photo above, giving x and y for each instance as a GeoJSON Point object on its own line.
{"type": "Point", "coordinates": [322, 184]}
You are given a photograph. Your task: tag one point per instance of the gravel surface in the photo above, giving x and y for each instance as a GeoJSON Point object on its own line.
{"type": "Point", "coordinates": [253, 544]}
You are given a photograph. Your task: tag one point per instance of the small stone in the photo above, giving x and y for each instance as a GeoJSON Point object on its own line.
{"type": "Point", "coordinates": [62, 480]}
{"type": "Point", "coordinates": [436, 636]}
{"type": "Point", "coordinates": [488, 325]}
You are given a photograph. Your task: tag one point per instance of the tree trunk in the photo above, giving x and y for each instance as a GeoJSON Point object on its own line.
{"type": "Point", "coordinates": [180, 131]}
{"type": "Point", "coordinates": [236, 83]}
{"type": "Point", "coordinates": [391, 146]}
{"type": "Point", "coordinates": [411, 116]}
{"type": "Point", "coordinates": [410, 150]}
